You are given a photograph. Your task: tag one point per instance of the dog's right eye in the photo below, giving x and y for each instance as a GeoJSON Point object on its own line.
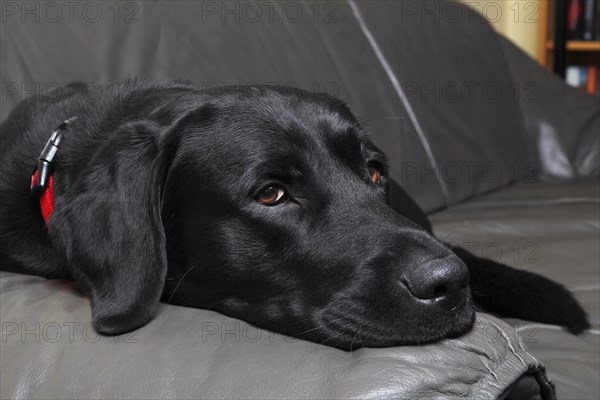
{"type": "Point", "coordinates": [272, 195]}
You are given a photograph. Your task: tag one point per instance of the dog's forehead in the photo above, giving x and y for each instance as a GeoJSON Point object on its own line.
{"type": "Point", "coordinates": [260, 128]}
{"type": "Point", "coordinates": [282, 114]}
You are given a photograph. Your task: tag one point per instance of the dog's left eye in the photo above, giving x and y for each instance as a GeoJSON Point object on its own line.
{"type": "Point", "coordinates": [272, 195]}
{"type": "Point", "coordinates": [375, 174]}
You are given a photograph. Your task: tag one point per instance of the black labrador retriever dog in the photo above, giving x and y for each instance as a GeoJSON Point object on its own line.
{"type": "Point", "coordinates": [268, 204]}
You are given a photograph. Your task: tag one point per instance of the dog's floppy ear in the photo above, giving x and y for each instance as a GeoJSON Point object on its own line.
{"type": "Point", "coordinates": [109, 223]}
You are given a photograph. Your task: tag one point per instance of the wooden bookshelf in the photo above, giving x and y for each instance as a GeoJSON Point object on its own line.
{"type": "Point", "coordinates": [574, 45]}
{"type": "Point", "coordinates": [583, 46]}
{"type": "Point", "coordinates": [577, 52]}
{"type": "Point", "coordinates": [545, 41]}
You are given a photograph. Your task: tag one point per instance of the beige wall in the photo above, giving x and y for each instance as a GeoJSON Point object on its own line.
{"type": "Point", "coordinates": [516, 19]}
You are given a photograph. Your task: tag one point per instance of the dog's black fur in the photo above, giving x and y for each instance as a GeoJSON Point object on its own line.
{"type": "Point", "coordinates": [156, 192]}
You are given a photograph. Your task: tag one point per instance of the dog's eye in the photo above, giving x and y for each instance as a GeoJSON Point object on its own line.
{"type": "Point", "coordinates": [375, 174]}
{"type": "Point", "coordinates": [272, 195]}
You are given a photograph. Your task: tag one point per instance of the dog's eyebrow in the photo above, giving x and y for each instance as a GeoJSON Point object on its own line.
{"type": "Point", "coordinates": [274, 170]}
{"type": "Point", "coordinates": [284, 167]}
{"type": "Point", "coordinates": [342, 142]}
{"type": "Point", "coordinates": [372, 153]}
{"type": "Point", "coordinates": [353, 147]}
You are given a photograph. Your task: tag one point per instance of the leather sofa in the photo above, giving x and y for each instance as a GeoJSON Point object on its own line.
{"type": "Point", "coordinates": [502, 154]}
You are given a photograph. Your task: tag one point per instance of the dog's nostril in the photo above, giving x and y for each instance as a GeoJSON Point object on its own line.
{"type": "Point", "coordinates": [440, 291]}
{"type": "Point", "coordinates": [439, 278]}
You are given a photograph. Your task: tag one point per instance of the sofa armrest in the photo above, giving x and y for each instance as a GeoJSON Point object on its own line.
{"type": "Point", "coordinates": [50, 350]}
{"type": "Point", "coordinates": [562, 122]}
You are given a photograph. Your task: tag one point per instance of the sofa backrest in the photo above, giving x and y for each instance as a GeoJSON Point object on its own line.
{"type": "Point", "coordinates": [428, 79]}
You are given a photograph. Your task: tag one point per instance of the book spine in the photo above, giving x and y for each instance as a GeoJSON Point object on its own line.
{"type": "Point", "coordinates": [588, 20]}
{"type": "Point", "coordinates": [592, 80]}
{"type": "Point", "coordinates": [583, 77]}
{"type": "Point", "coordinates": [597, 21]}
{"type": "Point", "coordinates": [573, 76]}
{"type": "Point", "coordinates": [573, 19]}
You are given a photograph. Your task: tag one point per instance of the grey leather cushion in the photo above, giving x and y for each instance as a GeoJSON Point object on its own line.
{"type": "Point", "coordinates": [49, 350]}
{"type": "Point", "coordinates": [551, 228]}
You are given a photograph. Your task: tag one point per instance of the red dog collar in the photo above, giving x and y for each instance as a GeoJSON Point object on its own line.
{"type": "Point", "coordinates": [47, 197]}
{"type": "Point", "coordinates": [42, 185]}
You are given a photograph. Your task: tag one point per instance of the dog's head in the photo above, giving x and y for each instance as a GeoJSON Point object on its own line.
{"type": "Point", "coordinates": [266, 204]}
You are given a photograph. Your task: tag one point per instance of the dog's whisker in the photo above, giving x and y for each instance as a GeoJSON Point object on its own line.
{"type": "Point", "coordinates": [359, 329]}
{"type": "Point", "coordinates": [332, 337]}
{"type": "Point", "coordinates": [179, 283]}
{"type": "Point", "coordinates": [344, 326]}
{"type": "Point", "coordinates": [323, 325]}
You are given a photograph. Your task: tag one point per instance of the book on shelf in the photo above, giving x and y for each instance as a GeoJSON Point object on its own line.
{"type": "Point", "coordinates": [583, 20]}
{"type": "Point", "coordinates": [585, 77]}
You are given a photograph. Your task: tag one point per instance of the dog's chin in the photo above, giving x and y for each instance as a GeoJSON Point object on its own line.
{"type": "Point", "coordinates": [352, 336]}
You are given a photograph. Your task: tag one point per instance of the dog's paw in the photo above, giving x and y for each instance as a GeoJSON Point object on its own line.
{"type": "Point", "coordinates": [559, 307]}
{"type": "Point", "coordinates": [515, 293]}
{"type": "Point", "coordinates": [525, 295]}
{"type": "Point", "coordinates": [569, 313]}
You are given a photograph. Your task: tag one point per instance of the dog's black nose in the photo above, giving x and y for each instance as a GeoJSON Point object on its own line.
{"type": "Point", "coordinates": [445, 278]}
